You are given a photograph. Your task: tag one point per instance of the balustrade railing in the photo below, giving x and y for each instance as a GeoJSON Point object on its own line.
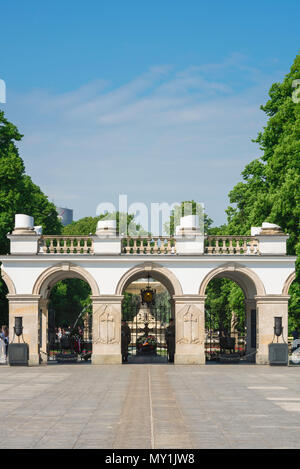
{"type": "Point", "coordinates": [239, 245]}
{"type": "Point", "coordinates": [213, 245]}
{"type": "Point", "coordinates": [66, 244]}
{"type": "Point", "coordinates": [150, 245]}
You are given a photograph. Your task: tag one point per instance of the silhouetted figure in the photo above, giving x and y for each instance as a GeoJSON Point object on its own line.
{"type": "Point", "coordinates": [170, 340]}
{"type": "Point", "coordinates": [125, 340]}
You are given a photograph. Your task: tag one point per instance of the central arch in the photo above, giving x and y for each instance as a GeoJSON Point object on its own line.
{"type": "Point", "coordinates": [158, 272]}
{"type": "Point", "coordinates": [147, 324]}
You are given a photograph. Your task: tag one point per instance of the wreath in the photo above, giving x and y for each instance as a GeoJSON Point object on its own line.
{"type": "Point", "coordinates": [146, 343]}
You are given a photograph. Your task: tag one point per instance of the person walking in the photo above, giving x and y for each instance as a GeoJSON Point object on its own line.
{"type": "Point", "coordinates": [125, 340]}
{"type": "Point", "coordinates": [170, 340]}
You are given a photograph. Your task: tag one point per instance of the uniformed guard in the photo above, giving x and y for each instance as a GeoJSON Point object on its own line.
{"type": "Point", "coordinates": [125, 340]}
{"type": "Point", "coordinates": [170, 340]}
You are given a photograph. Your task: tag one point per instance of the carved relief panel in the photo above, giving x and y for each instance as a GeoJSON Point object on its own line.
{"type": "Point", "coordinates": [188, 325]}
{"type": "Point", "coordinates": [106, 325]}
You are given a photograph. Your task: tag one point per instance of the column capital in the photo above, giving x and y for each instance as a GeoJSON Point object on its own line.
{"type": "Point", "coordinates": [189, 298]}
{"type": "Point", "coordinates": [107, 298]}
{"type": "Point", "coordinates": [272, 299]}
{"type": "Point", "coordinates": [23, 298]}
{"type": "Point", "coordinates": [250, 301]}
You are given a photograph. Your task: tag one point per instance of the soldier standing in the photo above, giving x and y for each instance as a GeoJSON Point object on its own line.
{"type": "Point", "coordinates": [170, 340]}
{"type": "Point", "coordinates": [125, 340]}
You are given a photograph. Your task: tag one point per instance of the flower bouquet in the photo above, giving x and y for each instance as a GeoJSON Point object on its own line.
{"type": "Point", "coordinates": [146, 344]}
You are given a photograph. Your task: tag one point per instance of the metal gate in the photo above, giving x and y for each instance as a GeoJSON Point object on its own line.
{"type": "Point", "coordinates": [67, 344]}
{"type": "Point", "coordinates": [225, 339]}
{"type": "Point", "coordinates": [147, 326]}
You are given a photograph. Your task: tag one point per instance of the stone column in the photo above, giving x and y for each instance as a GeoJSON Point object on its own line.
{"type": "Point", "coordinates": [26, 306]}
{"type": "Point", "coordinates": [268, 307]}
{"type": "Point", "coordinates": [251, 326]}
{"type": "Point", "coordinates": [107, 329]}
{"type": "Point", "coordinates": [44, 330]}
{"type": "Point", "coordinates": [190, 329]}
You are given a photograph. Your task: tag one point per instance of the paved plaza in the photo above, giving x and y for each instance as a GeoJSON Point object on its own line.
{"type": "Point", "coordinates": [150, 406]}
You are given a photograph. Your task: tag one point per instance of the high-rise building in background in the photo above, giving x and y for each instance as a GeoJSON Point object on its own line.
{"type": "Point", "coordinates": [65, 215]}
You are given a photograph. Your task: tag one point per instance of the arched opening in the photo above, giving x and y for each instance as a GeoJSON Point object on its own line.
{"type": "Point", "coordinates": [66, 313]}
{"type": "Point", "coordinates": [230, 314]}
{"type": "Point", "coordinates": [3, 303]}
{"type": "Point", "coordinates": [4, 321]}
{"type": "Point", "coordinates": [292, 288]}
{"type": "Point", "coordinates": [70, 321]}
{"type": "Point", "coordinates": [225, 321]}
{"type": "Point", "coordinates": [148, 318]}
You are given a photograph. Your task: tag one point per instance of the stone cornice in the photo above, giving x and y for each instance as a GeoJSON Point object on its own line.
{"type": "Point", "coordinates": [272, 299]}
{"type": "Point", "coordinates": [27, 299]}
{"type": "Point", "coordinates": [140, 258]}
{"type": "Point", "coordinates": [111, 299]}
{"type": "Point", "coordinates": [189, 298]}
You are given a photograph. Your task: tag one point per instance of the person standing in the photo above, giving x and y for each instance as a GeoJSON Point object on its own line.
{"type": "Point", "coordinates": [6, 339]}
{"type": "Point", "coordinates": [170, 340]}
{"type": "Point", "coordinates": [2, 348]}
{"type": "Point", "coordinates": [125, 340]}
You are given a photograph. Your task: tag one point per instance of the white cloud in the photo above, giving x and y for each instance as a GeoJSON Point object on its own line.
{"type": "Point", "coordinates": [166, 135]}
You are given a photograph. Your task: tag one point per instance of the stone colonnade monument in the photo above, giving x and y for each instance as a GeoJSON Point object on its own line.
{"type": "Point", "coordinates": [184, 264]}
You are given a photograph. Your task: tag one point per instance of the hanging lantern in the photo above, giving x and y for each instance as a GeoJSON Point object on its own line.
{"type": "Point", "coordinates": [148, 295]}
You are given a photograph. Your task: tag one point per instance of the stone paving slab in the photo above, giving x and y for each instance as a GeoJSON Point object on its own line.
{"type": "Point", "coordinates": [150, 406]}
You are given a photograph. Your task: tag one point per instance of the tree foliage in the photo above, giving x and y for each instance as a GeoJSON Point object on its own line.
{"type": "Point", "coordinates": [224, 297]}
{"type": "Point", "coordinates": [270, 190]}
{"type": "Point", "coordinates": [188, 207]}
{"type": "Point", "coordinates": [67, 299]}
{"type": "Point", "coordinates": [18, 194]}
{"type": "Point", "coordinates": [87, 225]}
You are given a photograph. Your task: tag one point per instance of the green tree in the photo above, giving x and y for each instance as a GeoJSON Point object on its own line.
{"type": "Point", "coordinates": [18, 194]}
{"type": "Point", "coordinates": [87, 225]}
{"type": "Point", "coordinates": [224, 297]}
{"type": "Point", "coordinates": [270, 188]}
{"type": "Point", "coordinates": [130, 306]}
{"type": "Point", "coordinates": [67, 299]}
{"type": "Point", "coordinates": [188, 207]}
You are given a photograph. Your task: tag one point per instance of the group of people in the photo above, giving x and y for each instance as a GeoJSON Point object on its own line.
{"type": "Point", "coordinates": [3, 344]}
{"type": "Point", "coordinates": [65, 338]}
{"type": "Point", "coordinates": [169, 337]}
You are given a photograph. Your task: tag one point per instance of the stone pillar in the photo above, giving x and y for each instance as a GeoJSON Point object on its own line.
{"type": "Point", "coordinates": [107, 329]}
{"type": "Point", "coordinates": [190, 329]}
{"type": "Point", "coordinates": [268, 307]}
{"type": "Point", "coordinates": [44, 330]}
{"type": "Point", "coordinates": [251, 326]}
{"type": "Point", "coordinates": [26, 306]}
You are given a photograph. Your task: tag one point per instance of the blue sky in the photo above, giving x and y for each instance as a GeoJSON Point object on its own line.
{"type": "Point", "coordinates": [158, 100]}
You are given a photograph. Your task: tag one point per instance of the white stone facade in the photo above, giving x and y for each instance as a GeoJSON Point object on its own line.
{"type": "Point", "coordinates": [30, 275]}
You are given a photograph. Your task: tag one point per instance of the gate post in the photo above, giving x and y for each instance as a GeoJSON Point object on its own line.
{"type": "Point", "coordinates": [251, 315]}
{"type": "Point", "coordinates": [107, 329]}
{"type": "Point", "coordinates": [268, 307]}
{"type": "Point", "coordinates": [190, 329]}
{"type": "Point", "coordinates": [44, 330]}
{"type": "Point", "coordinates": [26, 306]}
